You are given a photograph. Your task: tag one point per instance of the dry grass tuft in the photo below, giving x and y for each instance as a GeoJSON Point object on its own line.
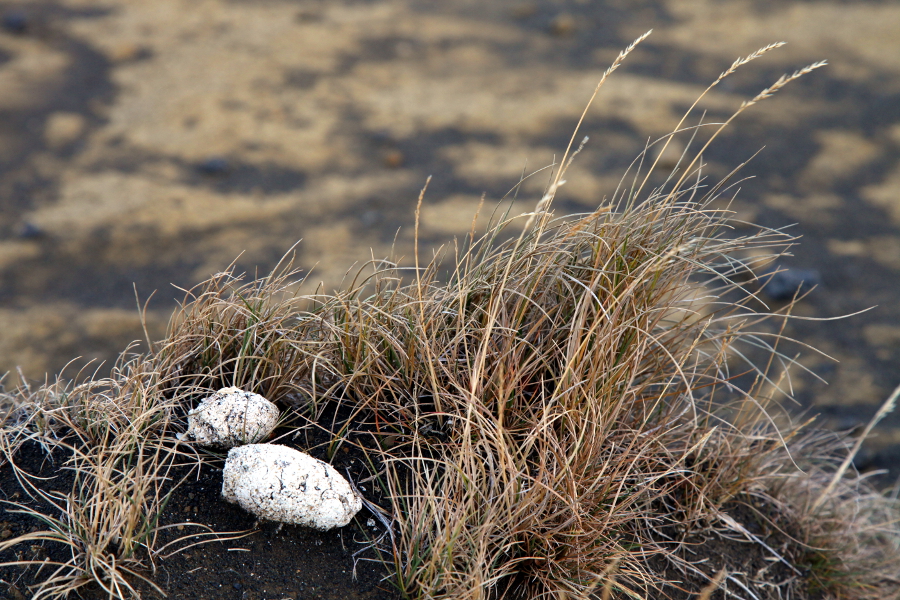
{"type": "Point", "coordinates": [113, 433]}
{"type": "Point", "coordinates": [553, 415]}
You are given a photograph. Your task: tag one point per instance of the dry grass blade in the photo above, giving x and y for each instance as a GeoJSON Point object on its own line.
{"type": "Point", "coordinates": [547, 199]}
{"type": "Point", "coordinates": [882, 412]}
{"type": "Point", "coordinates": [713, 585]}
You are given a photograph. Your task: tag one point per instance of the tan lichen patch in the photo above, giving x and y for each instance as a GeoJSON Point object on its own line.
{"type": "Point", "coordinates": [813, 208]}
{"type": "Point", "coordinates": [841, 155]}
{"type": "Point", "coordinates": [33, 67]}
{"type": "Point", "coordinates": [12, 251]}
{"type": "Point", "coordinates": [62, 128]}
{"type": "Point", "coordinates": [885, 337]}
{"type": "Point", "coordinates": [456, 215]}
{"type": "Point", "coordinates": [39, 337]}
{"type": "Point", "coordinates": [852, 384]}
{"type": "Point", "coordinates": [813, 29]}
{"type": "Point", "coordinates": [883, 249]}
{"type": "Point", "coordinates": [107, 199]}
{"type": "Point", "coordinates": [855, 248]}
{"type": "Point", "coordinates": [886, 195]}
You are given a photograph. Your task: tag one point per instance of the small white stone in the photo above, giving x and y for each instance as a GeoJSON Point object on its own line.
{"type": "Point", "coordinates": [232, 417]}
{"type": "Point", "coordinates": [277, 483]}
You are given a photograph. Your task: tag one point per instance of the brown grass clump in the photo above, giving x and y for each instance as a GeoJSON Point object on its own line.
{"type": "Point", "coordinates": [555, 415]}
{"type": "Point", "coordinates": [113, 433]}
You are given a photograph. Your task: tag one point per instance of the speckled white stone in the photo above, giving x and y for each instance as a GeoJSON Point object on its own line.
{"type": "Point", "coordinates": [232, 417]}
{"type": "Point", "coordinates": [277, 483]}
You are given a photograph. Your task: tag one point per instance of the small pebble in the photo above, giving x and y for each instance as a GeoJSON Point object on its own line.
{"type": "Point", "coordinates": [370, 217]}
{"type": "Point", "coordinates": [128, 52]}
{"type": "Point", "coordinates": [214, 165]}
{"type": "Point", "coordinates": [308, 16]}
{"type": "Point", "coordinates": [29, 231]}
{"type": "Point", "coordinates": [784, 284]}
{"type": "Point", "coordinates": [382, 137]}
{"type": "Point", "coordinates": [563, 25]}
{"type": "Point", "coordinates": [393, 159]}
{"type": "Point", "coordinates": [14, 21]}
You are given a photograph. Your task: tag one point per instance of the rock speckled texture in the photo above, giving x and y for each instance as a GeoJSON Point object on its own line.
{"type": "Point", "coordinates": [277, 483]}
{"type": "Point", "coordinates": [232, 417]}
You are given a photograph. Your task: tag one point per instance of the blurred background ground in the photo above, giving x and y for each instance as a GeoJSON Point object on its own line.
{"type": "Point", "coordinates": [145, 144]}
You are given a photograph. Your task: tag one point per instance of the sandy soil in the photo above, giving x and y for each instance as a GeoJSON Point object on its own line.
{"type": "Point", "coordinates": [145, 144]}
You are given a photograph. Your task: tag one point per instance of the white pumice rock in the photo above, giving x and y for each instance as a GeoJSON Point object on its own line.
{"type": "Point", "coordinates": [232, 417]}
{"type": "Point", "coordinates": [277, 483]}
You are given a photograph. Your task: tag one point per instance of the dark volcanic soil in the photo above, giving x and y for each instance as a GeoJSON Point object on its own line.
{"type": "Point", "coordinates": [299, 564]}
{"type": "Point", "coordinates": [295, 563]}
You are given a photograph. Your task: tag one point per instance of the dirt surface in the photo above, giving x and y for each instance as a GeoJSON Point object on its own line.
{"type": "Point", "coordinates": [260, 562]}
{"type": "Point", "coordinates": [145, 144]}
{"type": "Point", "coordinates": [742, 559]}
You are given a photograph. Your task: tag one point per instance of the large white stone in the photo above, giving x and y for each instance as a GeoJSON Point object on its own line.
{"type": "Point", "coordinates": [232, 417]}
{"type": "Point", "coordinates": [277, 483]}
